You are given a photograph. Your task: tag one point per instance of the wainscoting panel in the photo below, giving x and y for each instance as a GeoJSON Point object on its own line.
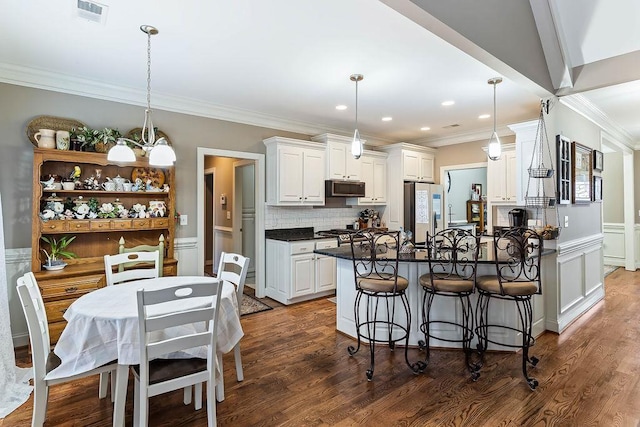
{"type": "Point", "coordinates": [614, 243]}
{"type": "Point", "coordinates": [222, 242]}
{"type": "Point", "coordinates": [578, 283]}
{"type": "Point", "coordinates": [18, 263]}
{"type": "Point", "coordinates": [186, 252]}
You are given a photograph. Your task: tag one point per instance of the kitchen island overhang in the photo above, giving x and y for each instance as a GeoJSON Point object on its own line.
{"type": "Point", "coordinates": [412, 266]}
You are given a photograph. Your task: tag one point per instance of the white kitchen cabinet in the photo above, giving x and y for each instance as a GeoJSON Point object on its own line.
{"type": "Point", "coordinates": [418, 166]}
{"type": "Point", "coordinates": [340, 165]}
{"type": "Point", "coordinates": [295, 172]}
{"type": "Point", "coordinates": [295, 273]}
{"type": "Point", "coordinates": [374, 175]}
{"type": "Point", "coordinates": [502, 179]}
{"type": "Point", "coordinates": [406, 162]}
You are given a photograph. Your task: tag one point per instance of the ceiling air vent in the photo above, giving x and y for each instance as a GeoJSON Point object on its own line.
{"type": "Point", "coordinates": [92, 11]}
{"type": "Point", "coordinates": [455, 125]}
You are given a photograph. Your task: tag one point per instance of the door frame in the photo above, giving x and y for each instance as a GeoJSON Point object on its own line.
{"type": "Point", "coordinates": [259, 159]}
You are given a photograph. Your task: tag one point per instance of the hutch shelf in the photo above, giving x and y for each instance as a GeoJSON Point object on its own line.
{"type": "Point", "coordinates": [94, 238]}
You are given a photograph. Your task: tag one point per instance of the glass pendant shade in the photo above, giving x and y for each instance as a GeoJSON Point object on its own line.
{"type": "Point", "coordinates": [162, 154]}
{"type": "Point", "coordinates": [356, 145]}
{"type": "Point", "coordinates": [121, 153]}
{"type": "Point", "coordinates": [495, 149]}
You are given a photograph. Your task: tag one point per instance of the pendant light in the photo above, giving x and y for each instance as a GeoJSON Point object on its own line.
{"type": "Point", "coordinates": [160, 153]}
{"type": "Point", "coordinates": [356, 144]}
{"type": "Point", "coordinates": [495, 149]}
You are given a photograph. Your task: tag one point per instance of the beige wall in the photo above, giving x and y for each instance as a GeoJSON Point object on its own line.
{"type": "Point", "coordinates": [20, 105]}
{"type": "Point", "coordinates": [465, 153]}
{"type": "Point", "coordinates": [612, 191]}
{"type": "Point", "coordinates": [223, 185]}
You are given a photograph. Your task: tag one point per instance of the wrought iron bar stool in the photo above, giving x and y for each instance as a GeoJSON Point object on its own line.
{"type": "Point", "coordinates": [381, 307]}
{"type": "Point", "coordinates": [453, 259]}
{"type": "Point", "coordinates": [517, 259]}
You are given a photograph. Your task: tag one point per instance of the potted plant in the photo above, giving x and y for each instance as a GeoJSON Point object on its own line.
{"type": "Point", "coordinates": [57, 250]}
{"type": "Point", "coordinates": [105, 139]}
{"type": "Point", "coordinates": [85, 138]}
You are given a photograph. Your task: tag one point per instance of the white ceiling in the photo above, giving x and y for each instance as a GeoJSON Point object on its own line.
{"type": "Point", "coordinates": [286, 63]}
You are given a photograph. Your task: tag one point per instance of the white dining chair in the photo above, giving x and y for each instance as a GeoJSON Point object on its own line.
{"type": "Point", "coordinates": [233, 270]}
{"type": "Point", "coordinates": [155, 375]}
{"type": "Point", "coordinates": [43, 359]}
{"type": "Point", "coordinates": [151, 271]}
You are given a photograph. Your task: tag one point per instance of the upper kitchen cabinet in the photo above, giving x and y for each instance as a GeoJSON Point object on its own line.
{"type": "Point", "coordinates": [340, 163]}
{"type": "Point", "coordinates": [374, 175]}
{"type": "Point", "coordinates": [295, 172]}
{"type": "Point", "coordinates": [502, 179]}
{"type": "Point", "coordinates": [417, 166]}
{"type": "Point", "coordinates": [406, 162]}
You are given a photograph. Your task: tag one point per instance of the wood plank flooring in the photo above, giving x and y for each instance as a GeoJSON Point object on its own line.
{"type": "Point", "coordinates": [298, 373]}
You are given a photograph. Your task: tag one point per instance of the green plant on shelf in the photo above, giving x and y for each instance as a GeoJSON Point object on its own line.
{"type": "Point", "coordinates": [58, 249]}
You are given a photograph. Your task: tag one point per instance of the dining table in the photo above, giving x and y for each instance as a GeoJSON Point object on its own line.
{"type": "Point", "coordinates": [102, 326]}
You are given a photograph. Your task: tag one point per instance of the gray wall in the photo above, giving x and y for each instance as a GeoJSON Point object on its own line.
{"type": "Point", "coordinates": [21, 104]}
{"type": "Point", "coordinates": [460, 191]}
{"type": "Point", "coordinates": [612, 191]}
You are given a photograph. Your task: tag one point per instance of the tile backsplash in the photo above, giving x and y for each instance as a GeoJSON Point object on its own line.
{"type": "Point", "coordinates": [320, 219]}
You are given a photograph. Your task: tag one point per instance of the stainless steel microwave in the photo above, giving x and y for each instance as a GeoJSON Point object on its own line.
{"type": "Point", "coordinates": [334, 188]}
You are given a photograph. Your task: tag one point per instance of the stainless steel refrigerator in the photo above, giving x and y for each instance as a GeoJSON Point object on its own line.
{"type": "Point", "coordinates": [423, 210]}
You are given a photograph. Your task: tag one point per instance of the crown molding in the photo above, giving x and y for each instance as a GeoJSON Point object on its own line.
{"type": "Point", "coordinates": [459, 138]}
{"type": "Point", "coordinates": [74, 85]}
{"type": "Point", "coordinates": [581, 105]}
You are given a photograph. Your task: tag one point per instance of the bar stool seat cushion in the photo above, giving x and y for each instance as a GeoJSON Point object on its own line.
{"type": "Point", "coordinates": [453, 283]}
{"type": "Point", "coordinates": [517, 288]}
{"type": "Point", "coordinates": [382, 283]}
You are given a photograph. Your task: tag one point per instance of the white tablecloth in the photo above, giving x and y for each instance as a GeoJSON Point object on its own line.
{"type": "Point", "coordinates": [103, 326]}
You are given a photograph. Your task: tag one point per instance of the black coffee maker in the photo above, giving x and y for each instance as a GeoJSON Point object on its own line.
{"type": "Point", "coordinates": [518, 217]}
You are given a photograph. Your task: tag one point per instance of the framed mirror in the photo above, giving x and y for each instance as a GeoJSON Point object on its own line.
{"type": "Point", "coordinates": [581, 173]}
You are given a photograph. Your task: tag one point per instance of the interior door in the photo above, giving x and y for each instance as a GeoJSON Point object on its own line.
{"type": "Point", "coordinates": [244, 212]}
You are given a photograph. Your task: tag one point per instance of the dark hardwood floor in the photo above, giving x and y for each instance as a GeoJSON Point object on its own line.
{"type": "Point", "coordinates": [298, 373]}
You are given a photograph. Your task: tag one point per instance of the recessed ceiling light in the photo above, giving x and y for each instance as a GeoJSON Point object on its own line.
{"type": "Point", "coordinates": [447, 103]}
{"type": "Point", "coordinates": [387, 119]}
{"type": "Point", "coordinates": [484, 116]}
{"type": "Point", "coordinates": [425, 128]}
{"type": "Point", "coordinates": [341, 107]}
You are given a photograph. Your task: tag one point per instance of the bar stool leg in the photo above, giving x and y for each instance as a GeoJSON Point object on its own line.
{"type": "Point", "coordinates": [526, 319]}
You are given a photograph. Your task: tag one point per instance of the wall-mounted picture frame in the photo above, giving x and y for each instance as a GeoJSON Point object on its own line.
{"type": "Point", "coordinates": [581, 172]}
{"type": "Point", "coordinates": [598, 161]}
{"type": "Point", "coordinates": [563, 174]}
{"type": "Point", "coordinates": [597, 188]}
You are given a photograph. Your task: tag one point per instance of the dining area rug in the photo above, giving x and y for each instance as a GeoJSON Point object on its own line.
{"type": "Point", "coordinates": [251, 305]}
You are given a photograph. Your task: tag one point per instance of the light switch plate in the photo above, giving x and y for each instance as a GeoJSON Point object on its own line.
{"type": "Point", "coordinates": [183, 220]}
{"type": "Point", "coordinates": [566, 221]}
{"type": "Point", "coordinates": [228, 214]}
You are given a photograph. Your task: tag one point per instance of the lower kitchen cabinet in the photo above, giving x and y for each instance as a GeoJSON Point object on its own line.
{"type": "Point", "coordinates": [295, 273]}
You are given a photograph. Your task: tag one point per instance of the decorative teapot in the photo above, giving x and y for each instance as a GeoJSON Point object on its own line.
{"type": "Point", "coordinates": [120, 182]}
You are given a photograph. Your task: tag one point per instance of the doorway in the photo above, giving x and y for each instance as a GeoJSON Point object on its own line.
{"type": "Point", "coordinates": [244, 213]}
{"type": "Point", "coordinates": [223, 234]}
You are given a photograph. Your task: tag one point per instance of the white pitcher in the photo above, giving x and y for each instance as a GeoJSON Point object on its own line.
{"type": "Point", "coordinates": [46, 138]}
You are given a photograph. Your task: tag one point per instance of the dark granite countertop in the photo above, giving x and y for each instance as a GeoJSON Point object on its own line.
{"type": "Point", "coordinates": [420, 255]}
{"type": "Point", "coordinates": [294, 234]}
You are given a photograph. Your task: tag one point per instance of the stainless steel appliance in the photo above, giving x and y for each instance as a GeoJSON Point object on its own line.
{"type": "Point", "coordinates": [517, 217]}
{"type": "Point", "coordinates": [423, 210]}
{"type": "Point", "coordinates": [343, 235]}
{"type": "Point", "coordinates": [335, 188]}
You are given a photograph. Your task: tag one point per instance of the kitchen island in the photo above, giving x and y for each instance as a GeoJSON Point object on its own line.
{"type": "Point", "coordinates": [412, 266]}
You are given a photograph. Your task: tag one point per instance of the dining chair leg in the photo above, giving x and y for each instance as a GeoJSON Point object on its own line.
{"type": "Point", "coordinates": [122, 378]}
{"type": "Point", "coordinates": [136, 403]}
{"type": "Point", "coordinates": [40, 397]}
{"type": "Point", "coordinates": [112, 377]}
{"type": "Point", "coordinates": [187, 395]}
{"type": "Point", "coordinates": [238, 357]}
{"type": "Point", "coordinates": [211, 404]}
{"type": "Point", "coordinates": [198, 389]}
{"type": "Point", "coordinates": [220, 379]}
{"type": "Point", "coordinates": [104, 383]}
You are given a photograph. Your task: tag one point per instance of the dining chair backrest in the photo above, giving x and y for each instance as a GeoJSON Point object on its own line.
{"type": "Point", "coordinates": [374, 256]}
{"type": "Point", "coordinates": [453, 254]}
{"type": "Point", "coordinates": [233, 269]}
{"type": "Point", "coordinates": [517, 255]}
{"type": "Point", "coordinates": [143, 248]}
{"type": "Point", "coordinates": [202, 300]}
{"type": "Point", "coordinates": [34, 311]}
{"type": "Point", "coordinates": [126, 275]}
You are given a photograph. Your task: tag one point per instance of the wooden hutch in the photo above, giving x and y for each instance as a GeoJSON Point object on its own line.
{"type": "Point", "coordinates": [94, 238]}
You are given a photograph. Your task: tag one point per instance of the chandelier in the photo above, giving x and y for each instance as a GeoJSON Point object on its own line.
{"type": "Point", "coordinates": [159, 151]}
